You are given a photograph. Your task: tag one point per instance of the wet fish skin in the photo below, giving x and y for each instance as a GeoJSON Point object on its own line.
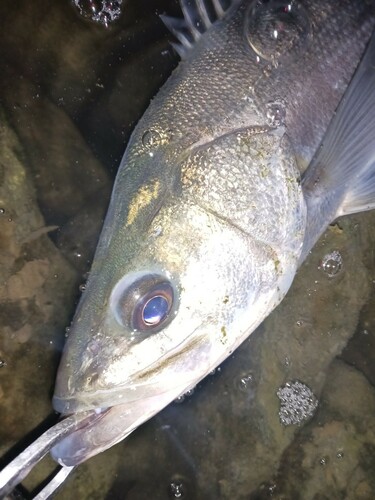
{"type": "Point", "coordinates": [208, 196]}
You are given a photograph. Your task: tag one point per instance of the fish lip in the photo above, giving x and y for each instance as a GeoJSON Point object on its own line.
{"type": "Point", "coordinates": [96, 400]}
{"type": "Point", "coordinates": [130, 392]}
{"type": "Point", "coordinates": [107, 426]}
{"type": "Point", "coordinates": [69, 406]}
{"type": "Point", "coordinates": [97, 415]}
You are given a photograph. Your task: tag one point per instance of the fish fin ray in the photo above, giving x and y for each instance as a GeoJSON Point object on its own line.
{"type": "Point", "coordinates": [198, 17]}
{"type": "Point", "coordinates": [341, 177]}
{"type": "Point", "coordinates": [362, 196]}
{"type": "Point", "coordinates": [180, 49]}
{"type": "Point", "coordinates": [179, 29]}
{"type": "Point", "coordinates": [219, 9]}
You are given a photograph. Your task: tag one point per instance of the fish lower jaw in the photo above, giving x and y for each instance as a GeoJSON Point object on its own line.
{"type": "Point", "coordinates": [107, 426]}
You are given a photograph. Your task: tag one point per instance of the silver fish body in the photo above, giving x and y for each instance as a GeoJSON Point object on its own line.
{"type": "Point", "coordinates": [208, 220]}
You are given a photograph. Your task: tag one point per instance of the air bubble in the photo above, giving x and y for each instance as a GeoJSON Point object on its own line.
{"type": "Point", "coordinates": [2, 211]}
{"type": "Point", "coordinates": [2, 363]}
{"type": "Point", "coordinates": [272, 488]}
{"type": "Point", "coordinates": [176, 489]}
{"type": "Point", "coordinates": [100, 11]}
{"type": "Point", "coordinates": [245, 382]}
{"type": "Point", "coordinates": [297, 403]}
{"type": "Point", "coordinates": [332, 263]}
{"type": "Point", "coordinates": [82, 287]}
{"type": "Point", "coordinates": [275, 111]}
{"type": "Point", "coordinates": [182, 398]}
{"type": "Point", "coordinates": [151, 138]}
{"type": "Point", "coordinates": [215, 370]}
{"type": "Point", "coordinates": [277, 30]}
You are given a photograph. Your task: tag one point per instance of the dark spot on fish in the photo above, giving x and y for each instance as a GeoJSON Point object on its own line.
{"type": "Point", "coordinates": [277, 265]}
{"type": "Point", "coordinates": [223, 335]}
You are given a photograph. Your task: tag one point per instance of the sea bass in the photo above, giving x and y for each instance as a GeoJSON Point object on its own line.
{"type": "Point", "coordinates": [240, 162]}
{"type": "Point", "coordinates": [211, 212]}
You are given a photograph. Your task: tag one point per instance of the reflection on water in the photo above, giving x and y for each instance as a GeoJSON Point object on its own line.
{"type": "Point", "coordinates": [71, 91]}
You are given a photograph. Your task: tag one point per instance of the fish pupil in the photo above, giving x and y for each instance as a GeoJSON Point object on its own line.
{"type": "Point", "coordinates": [155, 310]}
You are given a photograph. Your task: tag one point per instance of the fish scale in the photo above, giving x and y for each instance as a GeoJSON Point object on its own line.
{"type": "Point", "coordinates": [324, 70]}
{"type": "Point", "coordinates": [218, 93]}
{"type": "Point", "coordinates": [210, 216]}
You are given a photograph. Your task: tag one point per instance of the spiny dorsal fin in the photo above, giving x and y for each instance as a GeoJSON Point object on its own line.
{"type": "Point", "coordinates": [198, 17]}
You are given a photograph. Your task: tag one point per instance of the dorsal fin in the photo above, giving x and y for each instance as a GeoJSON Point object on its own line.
{"type": "Point", "coordinates": [198, 17]}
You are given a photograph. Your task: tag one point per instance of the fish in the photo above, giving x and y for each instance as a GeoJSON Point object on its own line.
{"type": "Point", "coordinates": [261, 137]}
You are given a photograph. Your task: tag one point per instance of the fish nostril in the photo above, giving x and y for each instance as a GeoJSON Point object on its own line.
{"type": "Point", "coordinates": [151, 139]}
{"type": "Point", "coordinates": [91, 379]}
{"type": "Point", "coordinates": [93, 347]}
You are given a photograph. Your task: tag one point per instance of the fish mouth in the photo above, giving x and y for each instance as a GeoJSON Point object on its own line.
{"type": "Point", "coordinates": [123, 396]}
{"type": "Point", "coordinates": [100, 432]}
{"type": "Point", "coordinates": [153, 380]}
{"type": "Point", "coordinates": [74, 405]}
{"type": "Point", "coordinates": [107, 426]}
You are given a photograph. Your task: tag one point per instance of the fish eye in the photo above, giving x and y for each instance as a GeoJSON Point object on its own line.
{"type": "Point", "coordinates": [144, 304]}
{"type": "Point", "coordinates": [153, 307]}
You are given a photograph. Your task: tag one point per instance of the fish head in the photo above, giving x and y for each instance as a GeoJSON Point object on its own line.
{"type": "Point", "coordinates": [201, 241]}
{"type": "Point", "coordinates": [179, 279]}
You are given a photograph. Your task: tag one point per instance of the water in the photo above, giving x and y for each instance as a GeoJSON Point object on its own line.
{"type": "Point", "coordinates": [71, 91]}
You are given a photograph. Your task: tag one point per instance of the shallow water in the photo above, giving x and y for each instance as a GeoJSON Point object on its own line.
{"type": "Point", "coordinates": [71, 91]}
